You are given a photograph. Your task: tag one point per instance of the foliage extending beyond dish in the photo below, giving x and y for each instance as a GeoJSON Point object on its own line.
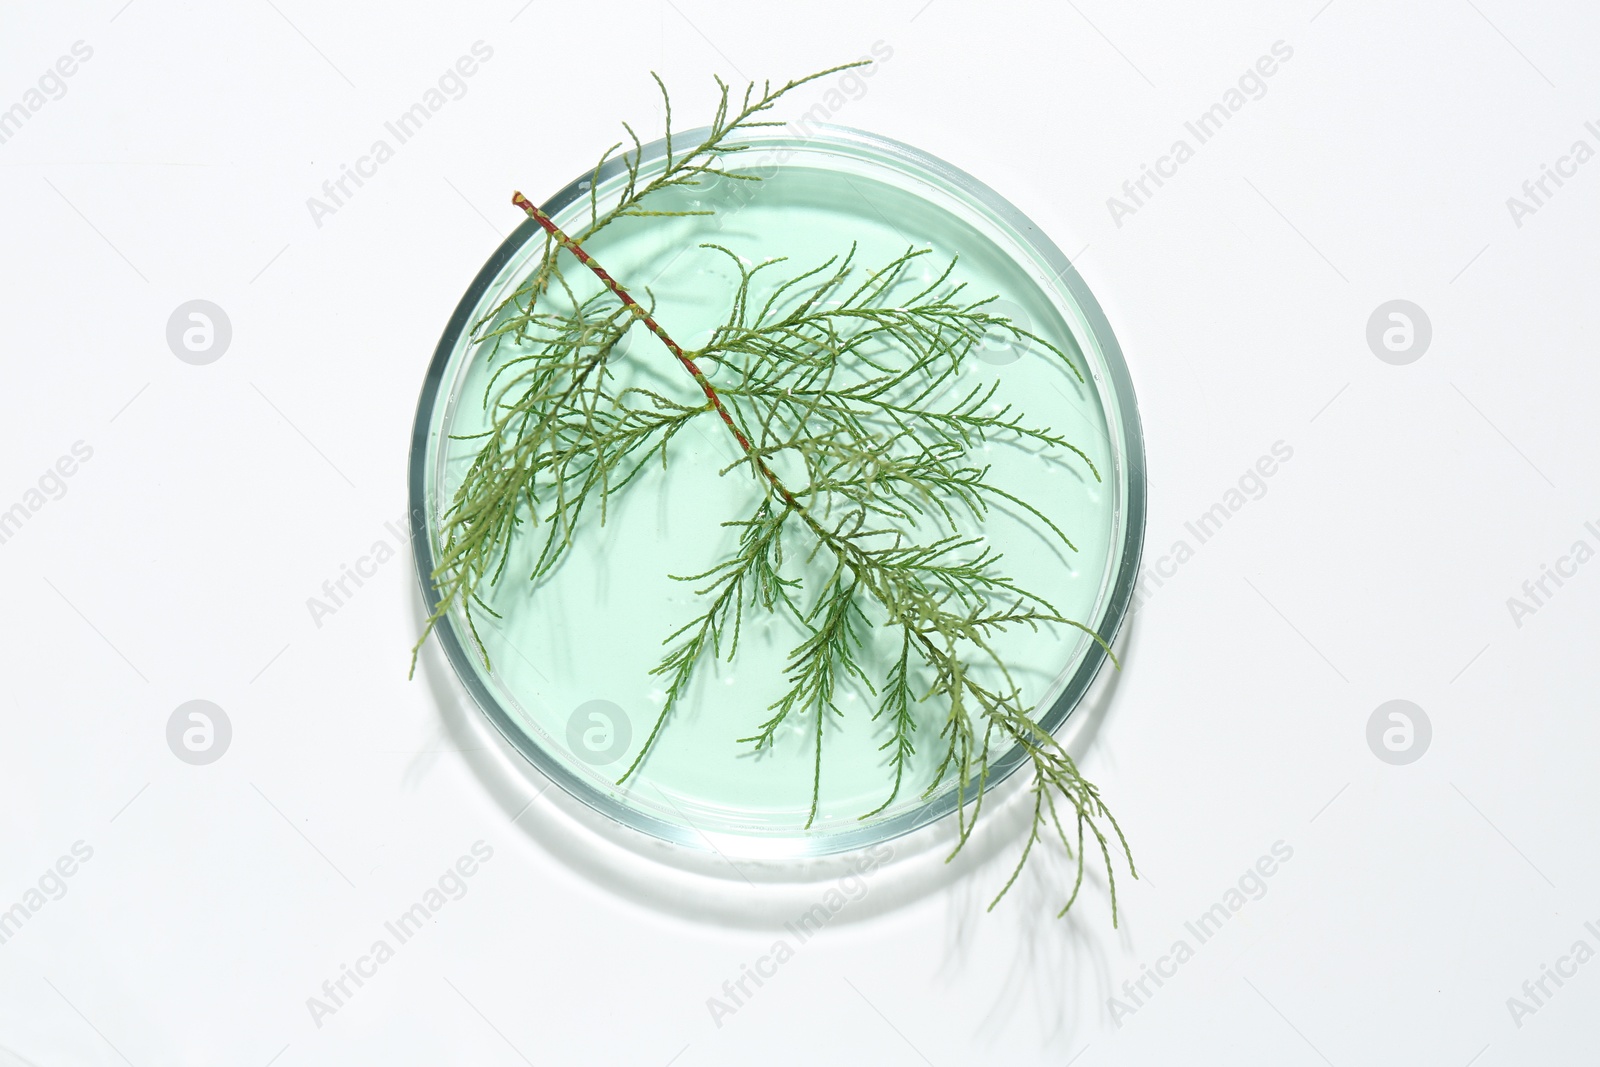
{"type": "Point", "coordinates": [847, 380]}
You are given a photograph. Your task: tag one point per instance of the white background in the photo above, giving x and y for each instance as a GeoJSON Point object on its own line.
{"type": "Point", "coordinates": [1377, 566]}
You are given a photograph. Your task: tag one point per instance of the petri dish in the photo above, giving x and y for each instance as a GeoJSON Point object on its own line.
{"type": "Point", "coordinates": [565, 671]}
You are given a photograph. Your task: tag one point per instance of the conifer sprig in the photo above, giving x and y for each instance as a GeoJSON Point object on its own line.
{"type": "Point", "coordinates": [849, 380]}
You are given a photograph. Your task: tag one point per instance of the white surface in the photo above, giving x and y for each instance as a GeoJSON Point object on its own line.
{"type": "Point", "coordinates": [1377, 566]}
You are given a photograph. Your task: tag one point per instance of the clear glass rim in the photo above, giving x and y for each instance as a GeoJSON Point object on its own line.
{"type": "Point", "coordinates": [1125, 437]}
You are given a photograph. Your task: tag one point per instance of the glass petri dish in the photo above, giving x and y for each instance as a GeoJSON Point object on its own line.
{"type": "Point", "coordinates": [568, 680]}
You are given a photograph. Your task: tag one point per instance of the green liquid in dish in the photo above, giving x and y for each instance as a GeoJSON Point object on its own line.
{"type": "Point", "coordinates": [581, 643]}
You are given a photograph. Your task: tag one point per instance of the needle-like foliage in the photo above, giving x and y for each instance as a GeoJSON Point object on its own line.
{"type": "Point", "coordinates": [848, 380]}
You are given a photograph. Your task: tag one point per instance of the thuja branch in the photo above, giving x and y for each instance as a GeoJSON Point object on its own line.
{"type": "Point", "coordinates": [853, 378]}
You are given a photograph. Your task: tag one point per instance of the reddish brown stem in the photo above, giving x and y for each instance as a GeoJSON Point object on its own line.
{"type": "Point", "coordinates": [550, 227]}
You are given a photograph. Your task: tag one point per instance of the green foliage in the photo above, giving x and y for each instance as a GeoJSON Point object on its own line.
{"type": "Point", "coordinates": [850, 376]}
